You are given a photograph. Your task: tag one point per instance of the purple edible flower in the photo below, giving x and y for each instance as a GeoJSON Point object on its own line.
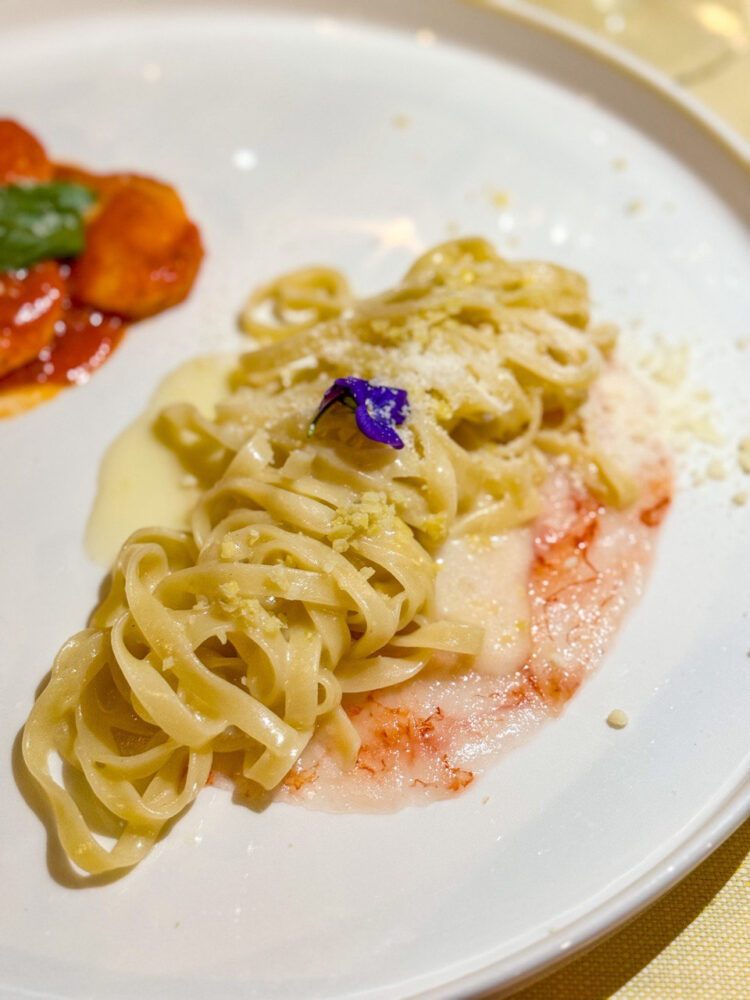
{"type": "Point", "coordinates": [378, 409]}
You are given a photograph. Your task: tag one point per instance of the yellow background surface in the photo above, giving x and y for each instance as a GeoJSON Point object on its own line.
{"type": "Point", "coordinates": [694, 943]}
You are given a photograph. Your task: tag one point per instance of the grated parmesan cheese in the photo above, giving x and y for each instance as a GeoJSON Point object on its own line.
{"type": "Point", "coordinates": [401, 120]}
{"type": "Point", "coordinates": [744, 454]}
{"type": "Point", "coordinates": [248, 609]}
{"type": "Point", "coordinates": [500, 199]}
{"type": "Point", "coordinates": [365, 517]}
{"type": "Point", "coordinates": [617, 719]}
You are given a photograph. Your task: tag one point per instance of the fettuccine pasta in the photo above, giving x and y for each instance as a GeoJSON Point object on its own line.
{"type": "Point", "coordinates": [308, 571]}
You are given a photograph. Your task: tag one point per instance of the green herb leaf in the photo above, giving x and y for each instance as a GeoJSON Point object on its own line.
{"type": "Point", "coordinates": [41, 221]}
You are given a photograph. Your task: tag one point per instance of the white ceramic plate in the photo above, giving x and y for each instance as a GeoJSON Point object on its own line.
{"type": "Point", "coordinates": [278, 123]}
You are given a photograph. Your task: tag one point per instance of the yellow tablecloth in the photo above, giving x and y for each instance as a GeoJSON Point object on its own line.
{"type": "Point", "coordinates": [704, 45]}
{"type": "Point", "coordinates": [694, 943]}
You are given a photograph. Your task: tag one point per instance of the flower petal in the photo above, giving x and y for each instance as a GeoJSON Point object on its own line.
{"type": "Point", "coordinates": [379, 409]}
{"type": "Point", "coordinates": [376, 430]}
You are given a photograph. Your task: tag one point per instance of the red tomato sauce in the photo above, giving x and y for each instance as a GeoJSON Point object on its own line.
{"type": "Point", "coordinates": [60, 321]}
{"type": "Point", "coordinates": [84, 338]}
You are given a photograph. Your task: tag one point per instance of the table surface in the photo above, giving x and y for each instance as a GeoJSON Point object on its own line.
{"type": "Point", "coordinates": [694, 943]}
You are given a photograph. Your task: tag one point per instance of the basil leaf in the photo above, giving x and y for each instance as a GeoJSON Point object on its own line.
{"type": "Point", "coordinates": [41, 221]}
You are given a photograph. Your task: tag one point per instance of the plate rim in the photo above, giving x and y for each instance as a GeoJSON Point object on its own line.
{"type": "Point", "coordinates": [626, 62]}
{"type": "Point", "coordinates": [542, 958]}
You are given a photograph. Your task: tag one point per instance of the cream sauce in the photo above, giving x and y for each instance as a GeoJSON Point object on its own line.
{"type": "Point", "coordinates": [485, 582]}
{"type": "Point", "coordinates": [141, 480]}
